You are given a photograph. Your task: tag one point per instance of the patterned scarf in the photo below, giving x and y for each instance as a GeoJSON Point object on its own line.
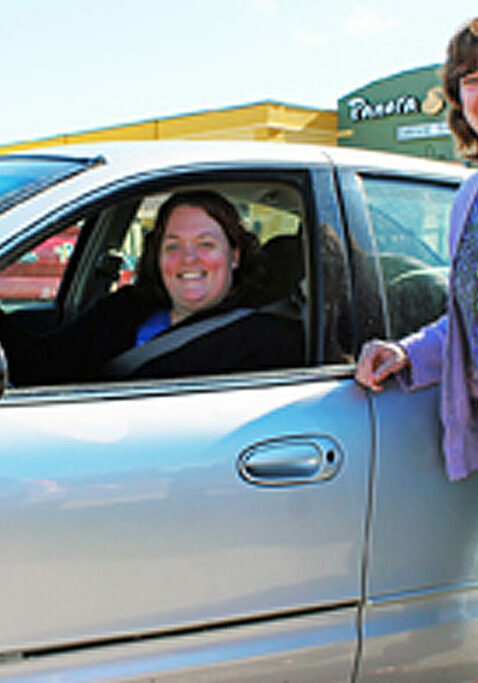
{"type": "Point", "coordinates": [465, 290]}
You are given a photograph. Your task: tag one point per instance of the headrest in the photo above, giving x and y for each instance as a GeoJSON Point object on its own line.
{"type": "Point", "coordinates": [284, 264]}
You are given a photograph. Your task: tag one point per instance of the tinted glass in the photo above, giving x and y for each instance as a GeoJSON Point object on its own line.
{"type": "Point", "coordinates": [36, 276]}
{"type": "Point", "coordinates": [22, 177]}
{"type": "Point", "coordinates": [410, 223]}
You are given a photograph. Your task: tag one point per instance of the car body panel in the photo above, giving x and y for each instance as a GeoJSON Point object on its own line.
{"type": "Point", "coordinates": [136, 546]}
{"type": "Point", "coordinates": [119, 489]}
{"type": "Point", "coordinates": [135, 159]}
{"type": "Point", "coordinates": [126, 162]}
{"type": "Point", "coordinates": [287, 649]}
{"type": "Point", "coordinates": [414, 481]}
{"type": "Point", "coordinates": [422, 580]}
{"type": "Point", "coordinates": [429, 636]}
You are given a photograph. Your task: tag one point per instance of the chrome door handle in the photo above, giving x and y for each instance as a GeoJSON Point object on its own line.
{"type": "Point", "coordinates": [296, 459]}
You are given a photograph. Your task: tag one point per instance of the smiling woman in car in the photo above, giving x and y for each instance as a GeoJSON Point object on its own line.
{"type": "Point", "coordinates": [198, 264]}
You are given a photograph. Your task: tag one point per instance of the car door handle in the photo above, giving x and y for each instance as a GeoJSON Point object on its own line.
{"type": "Point", "coordinates": [295, 459]}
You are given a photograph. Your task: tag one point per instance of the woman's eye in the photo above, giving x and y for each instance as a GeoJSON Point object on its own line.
{"type": "Point", "coordinates": [207, 244]}
{"type": "Point", "coordinates": [170, 246]}
{"type": "Point", "coordinates": [470, 80]}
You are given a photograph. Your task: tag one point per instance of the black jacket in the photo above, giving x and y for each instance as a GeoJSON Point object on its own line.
{"type": "Point", "coordinates": [77, 352]}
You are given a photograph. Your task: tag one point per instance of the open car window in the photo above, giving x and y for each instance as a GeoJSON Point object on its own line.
{"type": "Point", "coordinates": [96, 252]}
{"type": "Point", "coordinates": [273, 212]}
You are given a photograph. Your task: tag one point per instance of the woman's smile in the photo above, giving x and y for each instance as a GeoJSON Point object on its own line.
{"type": "Point", "coordinates": [196, 261]}
{"type": "Point", "coordinates": [192, 276]}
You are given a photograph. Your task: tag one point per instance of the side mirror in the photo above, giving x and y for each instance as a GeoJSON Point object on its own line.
{"type": "Point", "coordinates": [3, 371]}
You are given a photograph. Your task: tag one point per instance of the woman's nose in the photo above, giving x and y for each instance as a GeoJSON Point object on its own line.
{"type": "Point", "coordinates": [189, 253]}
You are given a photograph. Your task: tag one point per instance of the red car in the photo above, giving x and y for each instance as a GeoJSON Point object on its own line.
{"type": "Point", "coordinates": [37, 275]}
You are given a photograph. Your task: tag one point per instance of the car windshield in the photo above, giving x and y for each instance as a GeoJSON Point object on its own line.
{"type": "Point", "coordinates": [23, 176]}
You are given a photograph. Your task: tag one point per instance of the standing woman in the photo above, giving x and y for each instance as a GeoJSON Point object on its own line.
{"type": "Point", "coordinates": [447, 350]}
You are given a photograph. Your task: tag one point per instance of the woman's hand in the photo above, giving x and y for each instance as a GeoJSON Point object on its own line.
{"type": "Point", "coordinates": [378, 360]}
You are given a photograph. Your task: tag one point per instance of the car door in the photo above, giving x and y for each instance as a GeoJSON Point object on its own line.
{"type": "Point", "coordinates": [420, 615]}
{"type": "Point", "coordinates": [221, 520]}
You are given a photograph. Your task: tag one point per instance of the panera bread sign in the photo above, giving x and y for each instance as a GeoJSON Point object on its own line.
{"type": "Point", "coordinates": [362, 109]}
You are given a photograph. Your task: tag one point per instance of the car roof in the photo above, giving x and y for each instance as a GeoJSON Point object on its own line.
{"type": "Point", "coordinates": [129, 159]}
{"type": "Point", "coordinates": [165, 153]}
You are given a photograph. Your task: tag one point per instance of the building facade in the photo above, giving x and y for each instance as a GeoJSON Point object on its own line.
{"type": "Point", "coordinates": [405, 113]}
{"type": "Point", "coordinates": [269, 120]}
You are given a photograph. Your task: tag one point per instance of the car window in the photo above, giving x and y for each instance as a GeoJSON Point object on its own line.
{"type": "Point", "coordinates": [107, 239]}
{"type": "Point", "coordinates": [35, 276]}
{"type": "Point", "coordinates": [24, 176]}
{"type": "Point", "coordinates": [410, 225]}
{"type": "Point", "coordinates": [275, 212]}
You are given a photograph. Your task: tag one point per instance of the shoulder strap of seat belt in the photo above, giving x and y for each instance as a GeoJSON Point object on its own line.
{"type": "Point", "coordinates": [132, 359]}
{"type": "Point", "coordinates": [127, 362]}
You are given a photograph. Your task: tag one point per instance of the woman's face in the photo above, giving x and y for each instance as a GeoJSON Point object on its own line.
{"type": "Point", "coordinates": [196, 261]}
{"type": "Point", "coordinates": [469, 99]}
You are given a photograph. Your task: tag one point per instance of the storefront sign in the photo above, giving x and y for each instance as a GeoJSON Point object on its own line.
{"type": "Point", "coordinates": [434, 102]}
{"type": "Point", "coordinates": [362, 109]}
{"type": "Point", "coordinates": [421, 131]}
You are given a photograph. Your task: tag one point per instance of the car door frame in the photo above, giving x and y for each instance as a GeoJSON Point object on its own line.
{"type": "Point", "coordinates": [321, 184]}
{"type": "Point", "coordinates": [420, 610]}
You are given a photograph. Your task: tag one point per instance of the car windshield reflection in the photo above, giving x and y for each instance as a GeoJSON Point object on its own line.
{"type": "Point", "coordinates": [25, 176]}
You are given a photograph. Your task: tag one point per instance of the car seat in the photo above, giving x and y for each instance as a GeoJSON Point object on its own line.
{"type": "Point", "coordinates": [284, 263]}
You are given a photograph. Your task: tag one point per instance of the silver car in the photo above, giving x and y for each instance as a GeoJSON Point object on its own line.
{"type": "Point", "coordinates": [283, 525]}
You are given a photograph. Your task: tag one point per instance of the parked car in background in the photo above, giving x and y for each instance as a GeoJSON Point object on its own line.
{"type": "Point", "coordinates": [266, 526]}
{"type": "Point", "coordinates": [37, 274]}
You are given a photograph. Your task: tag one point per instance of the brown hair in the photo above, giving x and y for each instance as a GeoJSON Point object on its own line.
{"type": "Point", "coordinates": [461, 58]}
{"type": "Point", "coordinates": [246, 276]}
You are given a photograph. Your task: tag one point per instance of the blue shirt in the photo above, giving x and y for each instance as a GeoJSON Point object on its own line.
{"type": "Point", "coordinates": [152, 326]}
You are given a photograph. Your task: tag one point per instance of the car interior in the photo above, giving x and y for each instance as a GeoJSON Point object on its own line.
{"type": "Point", "coordinates": [109, 239]}
{"type": "Point", "coordinates": [101, 246]}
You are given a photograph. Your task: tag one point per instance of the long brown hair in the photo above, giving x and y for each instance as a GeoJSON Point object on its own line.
{"type": "Point", "coordinates": [461, 58]}
{"type": "Point", "coordinates": [246, 277]}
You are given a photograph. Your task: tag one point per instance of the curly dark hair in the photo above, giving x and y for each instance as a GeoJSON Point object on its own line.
{"type": "Point", "coordinates": [246, 277]}
{"type": "Point", "coordinates": [461, 58]}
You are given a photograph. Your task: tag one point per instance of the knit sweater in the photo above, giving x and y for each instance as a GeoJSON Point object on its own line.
{"type": "Point", "coordinates": [438, 353]}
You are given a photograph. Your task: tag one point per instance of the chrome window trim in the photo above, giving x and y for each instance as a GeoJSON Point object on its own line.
{"type": "Point", "coordinates": [166, 387]}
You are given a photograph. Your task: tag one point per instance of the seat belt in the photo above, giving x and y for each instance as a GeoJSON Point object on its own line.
{"type": "Point", "coordinates": [132, 359]}
{"type": "Point", "coordinates": [124, 364]}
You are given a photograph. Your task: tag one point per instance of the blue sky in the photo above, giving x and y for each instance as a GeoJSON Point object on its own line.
{"type": "Point", "coordinates": [70, 66]}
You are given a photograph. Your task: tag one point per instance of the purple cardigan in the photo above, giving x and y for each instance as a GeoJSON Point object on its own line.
{"type": "Point", "coordinates": [437, 353]}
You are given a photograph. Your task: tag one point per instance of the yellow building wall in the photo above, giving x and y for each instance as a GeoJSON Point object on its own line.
{"type": "Point", "coordinates": [269, 121]}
